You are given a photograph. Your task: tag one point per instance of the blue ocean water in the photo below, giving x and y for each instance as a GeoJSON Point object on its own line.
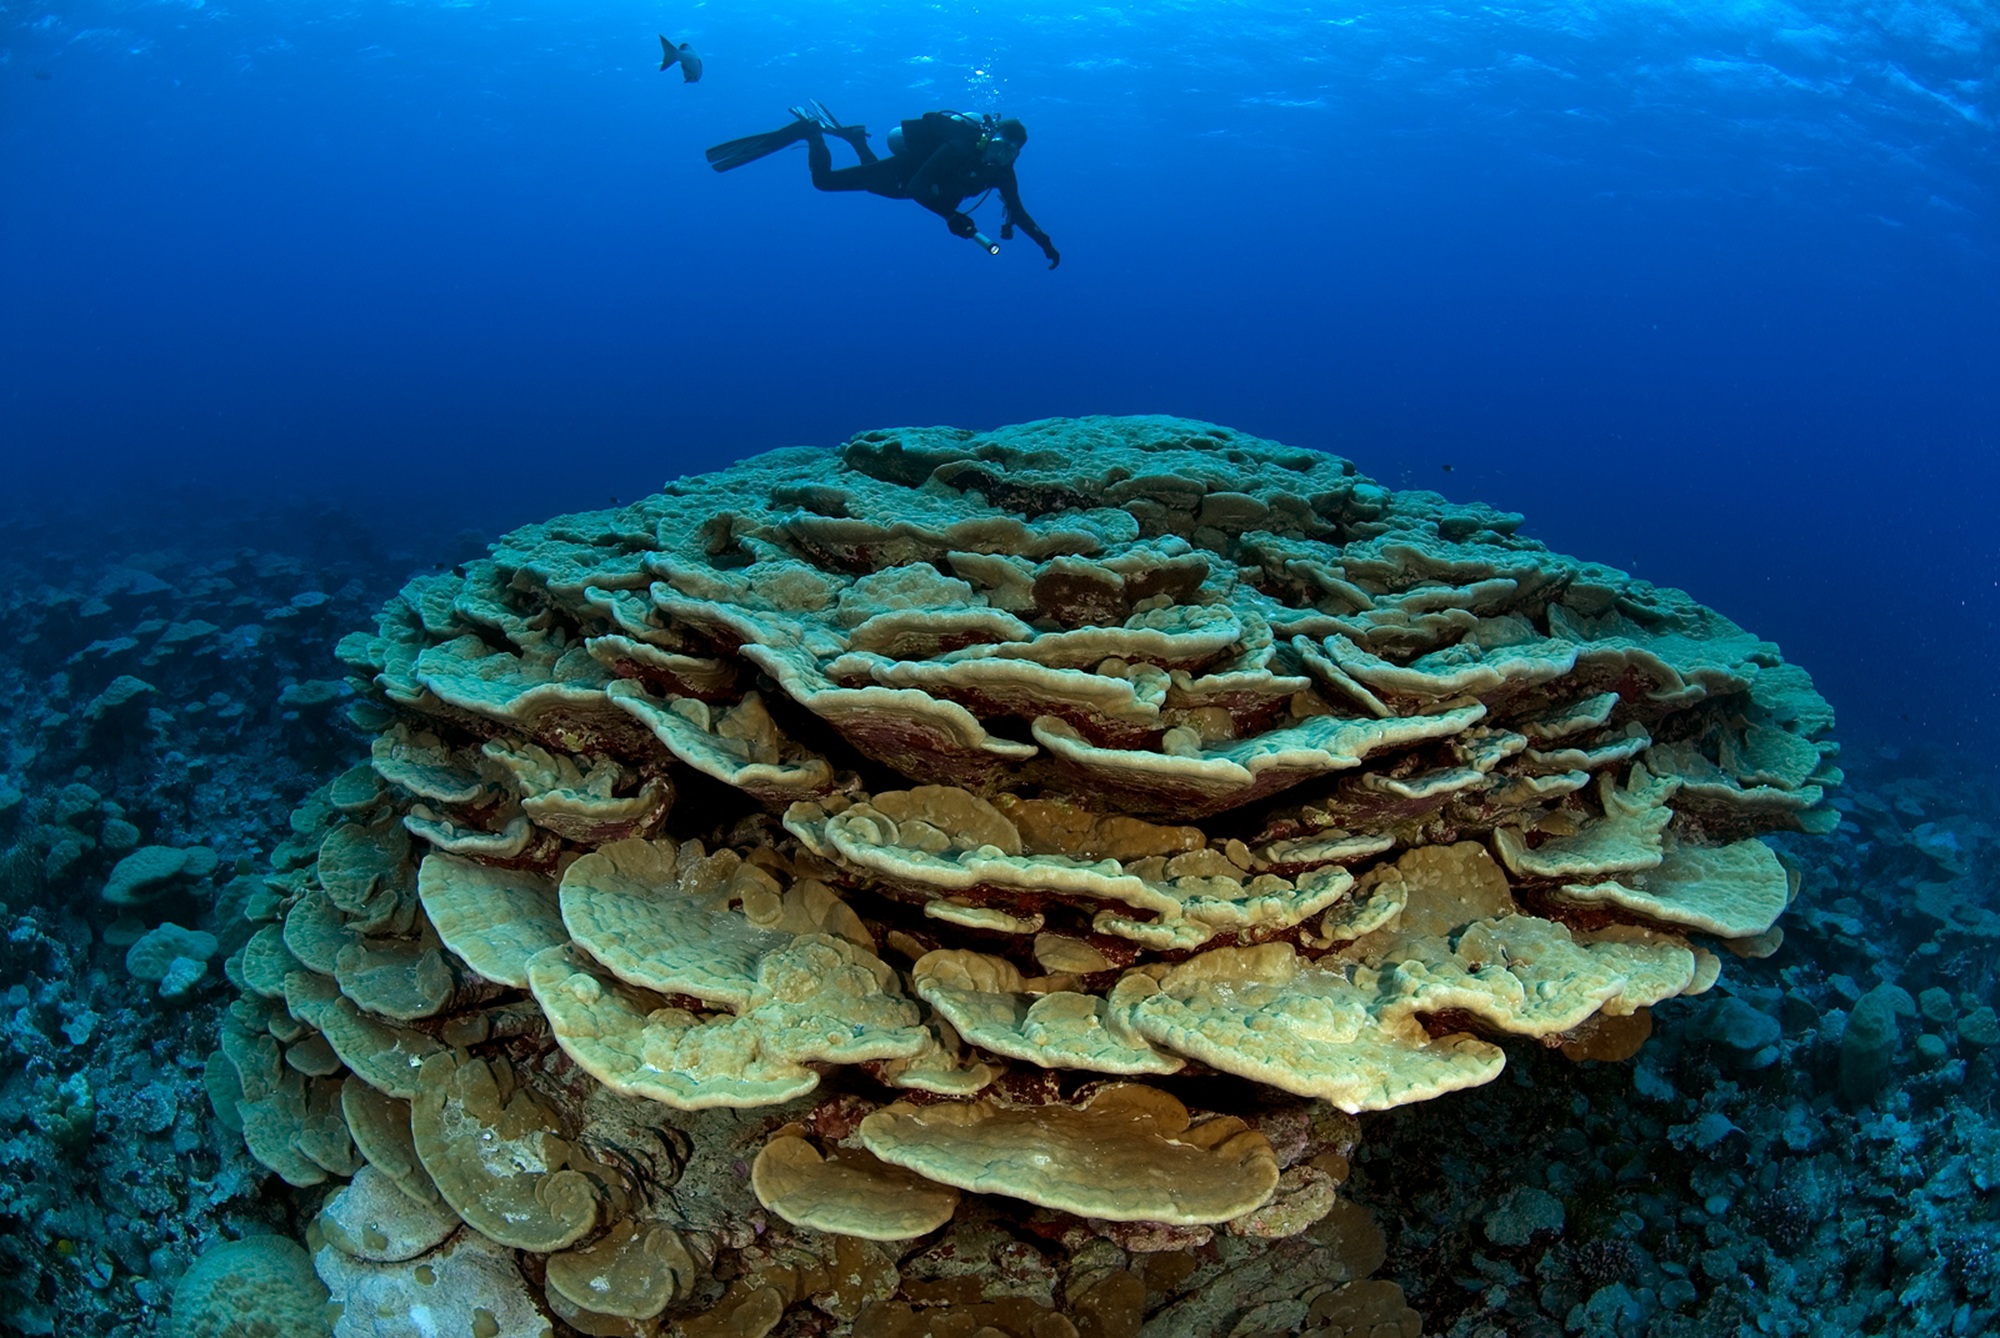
{"type": "Point", "coordinates": [1707, 290]}
{"type": "Point", "coordinates": [296, 297]}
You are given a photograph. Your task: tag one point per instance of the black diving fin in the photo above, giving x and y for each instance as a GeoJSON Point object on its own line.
{"type": "Point", "coordinates": [736, 152]}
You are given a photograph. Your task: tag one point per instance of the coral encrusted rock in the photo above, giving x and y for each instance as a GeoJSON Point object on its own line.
{"type": "Point", "coordinates": [764, 894]}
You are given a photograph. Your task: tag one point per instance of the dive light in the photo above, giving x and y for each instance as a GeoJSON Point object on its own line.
{"type": "Point", "coordinates": [992, 247]}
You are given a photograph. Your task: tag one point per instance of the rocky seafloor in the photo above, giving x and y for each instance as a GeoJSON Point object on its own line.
{"type": "Point", "coordinates": [1800, 1150]}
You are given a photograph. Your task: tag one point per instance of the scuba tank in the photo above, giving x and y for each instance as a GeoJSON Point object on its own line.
{"type": "Point", "coordinates": [921, 135]}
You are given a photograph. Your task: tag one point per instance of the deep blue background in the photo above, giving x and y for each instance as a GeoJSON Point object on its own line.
{"type": "Point", "coordinates": [1710, 291]}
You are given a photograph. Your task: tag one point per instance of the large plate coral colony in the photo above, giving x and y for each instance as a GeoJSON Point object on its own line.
{"type": "Point", "coordinates": [969, 882]}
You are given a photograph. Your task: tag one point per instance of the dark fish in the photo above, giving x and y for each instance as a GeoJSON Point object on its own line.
{"type": "Point", "coordinates": [689, 59]}
{"type": "Point", "coordinates": [1449, 468]}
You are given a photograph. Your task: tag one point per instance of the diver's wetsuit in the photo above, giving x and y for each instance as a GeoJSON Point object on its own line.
{"type": "Point", "coordinates": [940, 168]}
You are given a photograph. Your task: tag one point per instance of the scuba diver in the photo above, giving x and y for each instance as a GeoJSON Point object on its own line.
{"type": "Point", "coordinates": [940, 160]}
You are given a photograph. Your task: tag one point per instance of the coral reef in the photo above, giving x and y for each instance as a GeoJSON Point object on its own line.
{"type": "Point", "coordinates": [764, 899]}
{"type": "Point", "coordinates": [1725, 1181]}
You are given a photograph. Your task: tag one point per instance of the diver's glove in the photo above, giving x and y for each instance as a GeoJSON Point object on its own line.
{"type": "Point", "coordinates": [1055, 256]}
{"type": "Point", "coordinates": [961, 225]}
{"type": "Point", "coordinates": [1006, 232]}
